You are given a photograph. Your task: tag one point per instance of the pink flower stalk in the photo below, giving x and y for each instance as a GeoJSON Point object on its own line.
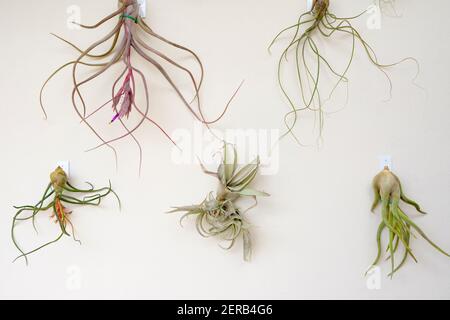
{"type": "Point", "coordinates": [125, 95]}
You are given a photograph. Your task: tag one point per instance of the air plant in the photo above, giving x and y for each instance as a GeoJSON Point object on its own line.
{"type": "Point", "coordinates": [123, 96]}
{"type": "Point", "coordinates": [61, 192]}
{"type": "Point", "coordinates": [388, 191]}
{"type": "Point", "coordinates": [219, 214]}
{"type": "Point", "coordinates": [310, 63]}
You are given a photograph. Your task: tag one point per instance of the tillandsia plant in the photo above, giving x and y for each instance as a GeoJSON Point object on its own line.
{"type": "Point", "coordinates": [123, 95]}
{"type": "Point", "coordinates": [219, 214]}
{"type": "Point", "coordinates": [310, 63]}
{"type": "Point", "coordinates": [388, 191]}
{"type": "Point", "coordinates": [60, 192]}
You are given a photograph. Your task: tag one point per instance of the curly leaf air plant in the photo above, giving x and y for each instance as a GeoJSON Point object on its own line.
{"type": "Point", "coordinates": [388, 191]}
{"type": "Point", "coordinates": [218, 214]}
{"type": "Point", "coordinates": [62, 192]}
{"type": "Point", "coordinates": [123, 98]}
{"type": "Point", "coordinates": [310, 63]}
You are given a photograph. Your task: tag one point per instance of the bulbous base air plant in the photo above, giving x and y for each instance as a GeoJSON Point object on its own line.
{"type": "Point", "coordinates": [123, 99]}
{"type": "Point", "coordinates": [388, 191]}
{"type": "Point", "coordinates": [218, 214]}
{"type": "Point", "coordinates": [62, 192]}
{"type": "Point", "coordinates": [310, 63]}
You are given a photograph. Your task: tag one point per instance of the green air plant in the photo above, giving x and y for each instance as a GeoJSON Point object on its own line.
{"type": "Point", "coordinates": [219, 214]}
{"type": "Point", "coordinates": [388, 191]}
{"type": "Point", "coordinates": [310, 62]}
{"type": "Point", "coordinates": [126, 41]}
{"type": "Point", "coordinates": [61, 192]}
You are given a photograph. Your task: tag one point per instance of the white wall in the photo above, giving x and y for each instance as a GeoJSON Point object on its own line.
{"type": "Point", "coordinates": [314, 237]}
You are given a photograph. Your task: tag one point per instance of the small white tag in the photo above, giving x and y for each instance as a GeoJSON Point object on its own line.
{"type": "Point", "coordinates": [385, 161]}
{"type": "Point", "coordinates": [142, 8]}
{"type": "Point", "coordinates": [65, 165]}
{"type": "Point", "coordinates": [309, 5]}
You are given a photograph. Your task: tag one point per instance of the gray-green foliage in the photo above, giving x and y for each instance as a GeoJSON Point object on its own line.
{"type": "Point", "coordinates": [219, 214]}
{"type": "Point", "coordinates": [388, 192]}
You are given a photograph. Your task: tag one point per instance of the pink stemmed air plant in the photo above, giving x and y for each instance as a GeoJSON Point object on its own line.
{"type": "Point", "coordinates": [126, 95]}
{"type": "Point", "coordinates": [132, 26]}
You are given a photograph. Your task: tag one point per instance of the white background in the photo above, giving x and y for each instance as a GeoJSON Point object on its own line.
{"type": "Point", "coordinates": [314, 238]}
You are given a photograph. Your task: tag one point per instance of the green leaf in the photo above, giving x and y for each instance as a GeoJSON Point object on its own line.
{"type": "Point", "coordinates": [232, 196]}
{"type": "Point", "coordinates": [242, 174]}
{"type": "Point", "coordinates": [184, 209]}
{"type": "Point", "coordinates": [248, 192]}
{"type": "Point", "coordinates": [243, 183]}
{"type": "Point", "coordinates": [228, 167]}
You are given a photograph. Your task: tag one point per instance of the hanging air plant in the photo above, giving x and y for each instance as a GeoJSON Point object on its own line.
{"type": "Point", "coordinates": [61, 192]}
{"type": "Point", "coordinates": [127, 37]}
{"type": "Point", "coordinates": [219, 214]}
{"type": "Point", "coordinates": [388, 191]}
{"type": "Point", "coordinates": [310, 63]}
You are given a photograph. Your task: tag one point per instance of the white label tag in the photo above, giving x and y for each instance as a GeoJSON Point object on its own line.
{"type": "Point", "coordinates": [309, 5]}
{"type": "Point", "coordinates": [385, 161]}
{"type": "Point", "coordinates": [142, 8]}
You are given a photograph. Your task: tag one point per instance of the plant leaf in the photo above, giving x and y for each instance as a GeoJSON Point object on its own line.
{"type": "Point", "coordinates": [247, 245]}
{"type": "Point", "coordinates": [249, 192]}
{"type": "Point", "coordinates": [184, 209]}
{"type": "Point", "coordinates": [242, 176]}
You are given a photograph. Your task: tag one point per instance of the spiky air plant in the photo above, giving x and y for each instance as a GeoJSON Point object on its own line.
{"type": "Point", "coordinates": [219, 214]}
{"type": "Point", "coordinates": [126, 38]}
{"type": "Point", "coordinates": [388, 191]}
{"type": "Point", "coordinates": [61, 192]}
{"type": "Point", "coordinates": [310, 62]}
